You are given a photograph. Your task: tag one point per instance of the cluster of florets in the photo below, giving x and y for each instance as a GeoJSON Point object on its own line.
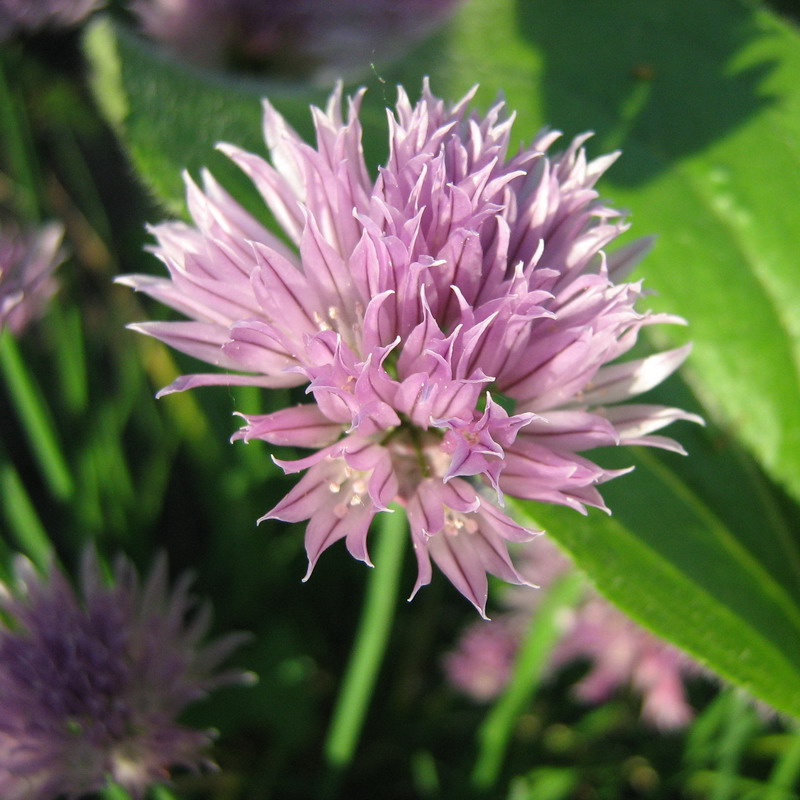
{"type": "Point", "coordinates": [91, 682]}
{"type": "Point", "coordinates": [620, 653]}
{"type": "Point", "coordinates": [30, 16]}
{"type": "Point", "coordinates": [27, 262]}
{"type": "Point", "coordinates": [319, 38]}
{"type": "Point", "coordinates": [453, 320]}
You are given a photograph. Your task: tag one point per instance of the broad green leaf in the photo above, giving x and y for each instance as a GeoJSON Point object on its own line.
{"type": "Point", "coordinates": [170, 116]}
{"type": "Point", "coordinates": [667, 560]}
{"type": "Point", "coordinates": [704, 100]}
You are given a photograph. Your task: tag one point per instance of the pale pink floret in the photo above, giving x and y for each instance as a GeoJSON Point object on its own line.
{"type": "Point", "coordinates": [322, 39]}
{"type": "Point", "coordinates": [27, 262]}
{"type": "Point", "coordinates": [453, 320]}
{"type": "Point", "coordinates": [31, 16]}
{"type": "Point", "coordinates": [481, 665]}
{"type": "Point", "coordinates": [621, 654]}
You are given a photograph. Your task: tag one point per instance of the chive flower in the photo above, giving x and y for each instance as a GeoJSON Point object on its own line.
{"type": "Point", "coordinates": [456, 322]}
{"type": "Point", "coordinates": [33, 16]}
{"type": "Point", "coordinates": [619, 653]}
{"type": "Point", "coordinates": [92, 680]}
{"type": "Point", "coordinates": [27, 261]}
{"type": "Point", "coordinates": [318, 39]}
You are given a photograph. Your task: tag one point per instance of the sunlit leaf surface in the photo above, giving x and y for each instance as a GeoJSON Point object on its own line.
{"type": "Point", "coordinates": [704, 100]}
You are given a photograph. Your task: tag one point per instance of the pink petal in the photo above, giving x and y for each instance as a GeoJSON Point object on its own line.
{"type": "Point", "coordinates": [621, 381]}
{"type": "Point", "coordinates": [298, 426]}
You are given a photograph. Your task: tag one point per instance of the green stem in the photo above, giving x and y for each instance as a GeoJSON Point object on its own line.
{"type": "Point", "coordinates": [65, 331]}
{"type": "Point", "coordinates": [163, 793]}
{"type": "Point", "coordinates": [370, 644]}
{"type": "Point", "coordinates": [786, 772]}
{"type": "Point", "coordinates": [19, 143]}
{"type": "Point", "coordinates": [113, 791]}
{"type": "Point", "coordinates": [738, 730]}
{"type": "Point", "coordinates": [35, 417]}
{"type": "Point", "coordinates": [20, 513]}
{"type": "Point", "coordinates": [496, 731]}
{"type": "Point", "coordinates": [82, 183]}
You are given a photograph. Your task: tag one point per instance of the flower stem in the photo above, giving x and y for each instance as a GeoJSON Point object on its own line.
{"type": "Point", "coordinates": [370, 643]}
{"type": "Point", "coordinates": [14, 122]}
{"type": "Point", "coordinates": [498, 727]}
{"type": "Point", "coordinates": [738, 729]}
{"type": "Point", "coordinates": [65, 331]}
{"type": "Point", "coordinates": [113, 791]}
{"type": "Point", "coordinates": [162, 793]}
{"type": "Point", "coordinates": [35, 417]}
{"type": "Point", "coordinates": [786, 772]}
{"type": "Point", "coordinates": [20, 513]}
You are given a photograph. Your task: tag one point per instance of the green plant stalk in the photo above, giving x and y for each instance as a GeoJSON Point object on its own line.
{"type": "Point", "coordinates": [65, 331]}
{"type": "Point", "coordinates": [786, 772]}
{"type": "Point", "coordinates": [35, 418]}
{"type": "Point", "coordinates": [738, 730]}
{"type": "Point", "coordinates": [370, 643]}
{"type": "Point", "coordinates": [163, 793]}
{"type": "Point", "coordinates": [113, 791]}
{"type": "Point", "coordinates": [702, 735]}
{"type": "Point", "coordinates": [20, 513]}
{"type": "Point", "coordinates": [83, 184]}
{"type": "Point", "coordinates": [18, 142]}
{"type": "Point", "coordinates": [495, 733]}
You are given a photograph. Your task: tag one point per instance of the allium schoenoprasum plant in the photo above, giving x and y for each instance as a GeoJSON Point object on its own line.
{"type": "Point", "coordinates": [454, 322]}
{"type": "Point", "coordinates": [700, 98]}
{"type": "Point", "coordinates": [32, 16]}
{"type": "Point", "coordinates": [27, 262]}
{"type": "Point", "coordinates": [92, 680]}
{"type": "Point", "coordinates": [621, 654]}
{"type": "Point", "coordinates": [317, 39]}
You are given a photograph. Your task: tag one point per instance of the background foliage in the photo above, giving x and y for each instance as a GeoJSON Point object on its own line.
{"type": "Point", "coordinates": [704, 100]}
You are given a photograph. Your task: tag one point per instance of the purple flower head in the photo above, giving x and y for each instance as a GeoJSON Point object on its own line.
{"type": "Point", "coordinates": [320, 38]}
{"type": "Point", "coordinates": [34, 15]}
{"type": "Point", "coordinates": [27, 261]}
{"type": "Point", "coordinates": [453, 322]}
{"type": "Point", "coordinates": [620, 652]}
{"type": "Point", "coordinates": [91, 683]}
{"type": "Point", "coordinates": [481, 664]}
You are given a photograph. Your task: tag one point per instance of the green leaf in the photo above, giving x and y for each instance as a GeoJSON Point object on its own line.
{"type": "Point", "coordinates": [170, 116]}
{"type": "Point", "coordinates": [704, 100]}
{"type": "Point", "coordinates": [703, 97]}
{"type": "Point", "coordinates": [692, 573]}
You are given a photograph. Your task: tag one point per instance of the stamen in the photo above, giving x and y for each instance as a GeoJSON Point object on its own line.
{"type": "Point", "coordinates": [321, 323]}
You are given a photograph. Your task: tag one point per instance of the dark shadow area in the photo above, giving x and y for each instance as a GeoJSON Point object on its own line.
{"type": "Point", "coordinates": [658, 79]}
{"type": "Point", "coordinates": [788, 8]}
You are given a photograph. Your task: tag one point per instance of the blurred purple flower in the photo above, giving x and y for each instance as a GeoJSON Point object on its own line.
{"type": "Point", "coordinates": [481, 664]}
{"type": "Point", "coordinates": [321, 38]}
{"type": "Point", "coordinates": [620, 652]}
{"type": "Point", "coordinates": [27, 261]}
{"type": "Point", "coordinates": [91, 683]}
{"type": "Point", "coordinates": [34, 15]}
{"type": "Point", "coordinates": [452, 320]}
